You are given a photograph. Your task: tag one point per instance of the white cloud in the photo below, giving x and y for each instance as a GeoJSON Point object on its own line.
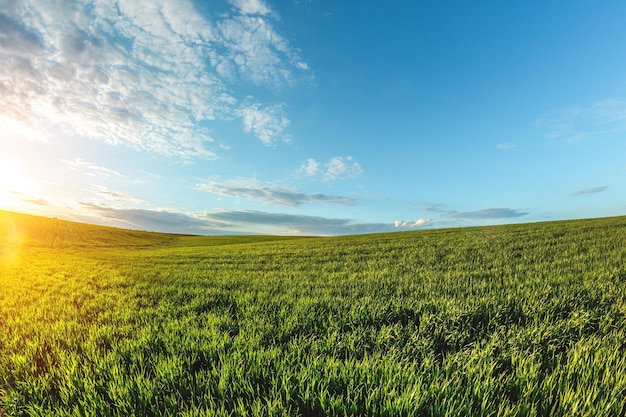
{"type": "Point", "coordinates": [409, 225]}
{"type": "Point", "coordinates": [140, 73]}
{"type": "Point", "coordinates": [310, 168]}
{"type": "Point", "coordinates": [254, 51]}
{"type": "Point", "coordinates": [341, 167]}
{"type": "Point", "coordinates": [266, 123]}
{"type": "Point", "coordinates": [251, 6]}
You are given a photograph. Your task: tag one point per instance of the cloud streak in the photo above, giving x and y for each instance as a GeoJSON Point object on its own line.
{"type": "Point", "coordinates": [297, 224]}
{"type": "Point", "coordinates": [434, 208]}
{"type": "Point", "coordinates": [489, 213]}
{"type": "Point", "coordinates": [230, 221]}
{"type": "Point", "coordinates": [143, 74]}
{"type": "Point", "coordinates": [271, 194]}
{"type": "Point", "coordinates": [576, 124]}
{"type": "Point", "coordinates": [119, 197]}
{"type": "Point", "coordinates": [161, 220]}
{"type": "Point", "coordinates": [91, 169]}
{"type": "Point", "coordinates": [588, 191]}
{"type": "Point", "coordinates": [36, 201]}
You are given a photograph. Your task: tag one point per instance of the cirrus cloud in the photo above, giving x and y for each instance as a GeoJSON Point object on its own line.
{"type": "Point", "coordinates": [580, 123]}
{"type": "Point", "coordinates": [91, 169]}
{"type": "Point", "coordinates": [271, 194]}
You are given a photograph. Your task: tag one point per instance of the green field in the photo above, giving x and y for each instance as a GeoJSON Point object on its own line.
{"type": "Point", "coordinates": [518, 320]}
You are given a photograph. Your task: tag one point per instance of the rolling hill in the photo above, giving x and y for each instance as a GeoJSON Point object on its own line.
{"type": "Point", "coordinates": [517, 320]}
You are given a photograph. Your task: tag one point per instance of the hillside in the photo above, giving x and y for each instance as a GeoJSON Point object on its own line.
{"type": "Point", "coordinates": [39, 231]}
{"type": "Point", "coordinates": [55, 233]}
{"type": "Point", "coordinates": [519, 320]}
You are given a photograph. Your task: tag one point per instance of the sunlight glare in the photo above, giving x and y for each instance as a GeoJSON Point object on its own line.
{"type": "Point", "coordinates": [12, 128]}
{"type": "Point", "coordinates": [10, 239]}
{"type": "Point", "coordinates": [13, 181]}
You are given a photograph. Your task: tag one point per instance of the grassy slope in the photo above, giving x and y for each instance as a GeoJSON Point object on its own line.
{"type": "Point", "coordinates": [508, 320]}
{"type": "Point", "coordinates": [54, 233]}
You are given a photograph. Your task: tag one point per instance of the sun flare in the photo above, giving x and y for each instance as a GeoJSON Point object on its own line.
{"type": "Point", "coordinates": [18, 129]}
{"type": "Point", "coordinates": [13, 181]}
{"type": "Point", "coordinates": [10, 239]}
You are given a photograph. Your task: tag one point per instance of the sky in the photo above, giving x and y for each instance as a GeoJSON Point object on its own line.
{"type": "Point", "coordinates": [312, 117]}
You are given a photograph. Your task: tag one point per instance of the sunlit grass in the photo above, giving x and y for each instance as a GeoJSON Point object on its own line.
{"type": "Point", "coordinates": [10, 238]}
{"type": "Point", "coordinates": [524, 320]}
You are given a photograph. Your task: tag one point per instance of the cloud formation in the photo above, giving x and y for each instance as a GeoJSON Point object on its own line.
{"type": "Point", "coordinates": [339, 167]}
{"type": "Point", "coordinates": [402, 224]}
{"type": "Point", "coordinates": [297, 224]}
{"type": "Point", "coordinates": [271, 194]}
{"type": "Point", "coordinates": [587, 191]}
{"type": "Point", "coordinates": [150, 220]}
{"type": "Point", "coordinates": [310, 168]}
{"type": "Point", "coordinates": [266, 123]}
{"type": "Point", "coordinates": [231, 221]}
{"type": "Point", "coordinates": [251, 6]}
{"type": "Point", "coordinates": [489, 213]}
{"type": "Point", "coordinates": [143, 73]}
{"type": "Point", "coordinates": [342, 167]}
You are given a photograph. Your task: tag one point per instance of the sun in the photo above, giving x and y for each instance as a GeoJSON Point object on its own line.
{"type": "Point", "coordinates": [14, 182]}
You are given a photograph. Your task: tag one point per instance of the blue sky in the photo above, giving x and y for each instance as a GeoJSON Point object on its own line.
{"type": "Point", "coordinates": [312, 117]}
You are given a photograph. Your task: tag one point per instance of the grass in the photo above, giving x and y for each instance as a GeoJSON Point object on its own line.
{"type": "Point", "coordinates": [520, 320]}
